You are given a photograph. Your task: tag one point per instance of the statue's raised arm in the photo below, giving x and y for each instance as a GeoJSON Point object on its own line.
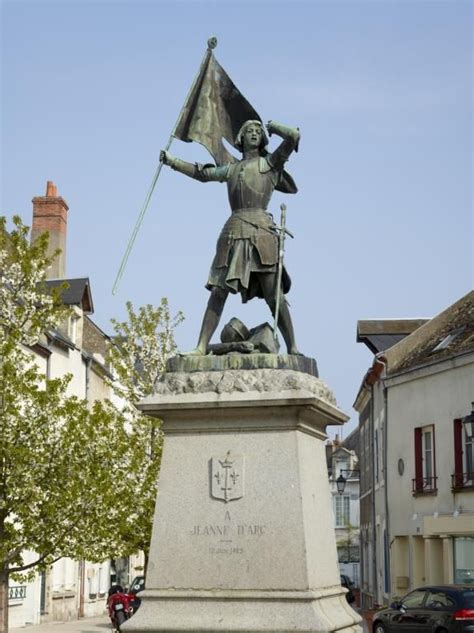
{"type": "Point", "coordinates": [291, 138]}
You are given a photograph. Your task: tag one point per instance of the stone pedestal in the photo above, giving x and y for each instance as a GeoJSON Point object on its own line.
{"type": "Point", "coordinates": [243, 537]}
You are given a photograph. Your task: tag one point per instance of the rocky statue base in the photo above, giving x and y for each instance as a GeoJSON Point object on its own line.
{"type": "Point", "coordinates": [243, 537]}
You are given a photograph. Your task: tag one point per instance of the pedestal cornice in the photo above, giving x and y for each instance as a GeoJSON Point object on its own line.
{"type": "Point", "coordinates": [289, 400]}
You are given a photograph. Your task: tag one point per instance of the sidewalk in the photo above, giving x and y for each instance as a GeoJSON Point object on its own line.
{"type": "Point", "coordinates": [99, 624]}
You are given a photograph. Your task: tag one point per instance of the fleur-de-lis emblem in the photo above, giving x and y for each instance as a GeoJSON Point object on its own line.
{"type": "Point", "coordinates": [227, 477]}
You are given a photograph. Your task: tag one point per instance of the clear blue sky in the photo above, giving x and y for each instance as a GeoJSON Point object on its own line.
{"type": "Point", "coordinates": [382, 92]}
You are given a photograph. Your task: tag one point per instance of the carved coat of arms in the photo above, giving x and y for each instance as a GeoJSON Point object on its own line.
{"type": "Point", "coordinates": [227, 477]}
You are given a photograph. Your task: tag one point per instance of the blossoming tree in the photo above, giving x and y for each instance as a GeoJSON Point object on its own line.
{"type": "Point", "coordinates": [58, 456]}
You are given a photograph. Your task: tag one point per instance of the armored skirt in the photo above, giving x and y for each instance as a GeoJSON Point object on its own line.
{"type": "Point", "coordinates": [247, 247]}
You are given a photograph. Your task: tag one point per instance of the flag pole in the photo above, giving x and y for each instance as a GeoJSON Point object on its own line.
{"type": "Point", "coordinates": [211, 44]}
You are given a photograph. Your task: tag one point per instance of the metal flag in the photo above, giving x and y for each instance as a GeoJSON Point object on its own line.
{"type": "Point", "coordinates": [215, 109]}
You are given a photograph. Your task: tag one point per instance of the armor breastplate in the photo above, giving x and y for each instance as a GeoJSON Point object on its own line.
{"type": "Point", "coordinates": [248, 187]}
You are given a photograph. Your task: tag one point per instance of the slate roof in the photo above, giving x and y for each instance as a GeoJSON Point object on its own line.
{"type": "Point", "coordinates": [77, 293]}
{"type": "Point", "coordinates": [449, 334]}
{"type": "Point", "coordinates": [381, 334]}
{"type": "Point", "coordinates": [351, 443]}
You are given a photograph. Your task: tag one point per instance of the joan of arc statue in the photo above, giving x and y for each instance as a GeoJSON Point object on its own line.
{"type": "Point", "coordinates": [246, 258]}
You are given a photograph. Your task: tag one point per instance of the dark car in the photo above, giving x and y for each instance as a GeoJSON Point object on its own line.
{"type": "Point", "coordinates": [347, 583]}
{"type": "Point", "coordinates": [137, 585]}
{"type": "Point", "coordinates": [434, 609]}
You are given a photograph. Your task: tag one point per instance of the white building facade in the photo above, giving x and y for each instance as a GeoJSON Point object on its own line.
{"type": "Point", "coordinates": [343, 462]}
{"type": "Point", "coordinates": [417, 482]}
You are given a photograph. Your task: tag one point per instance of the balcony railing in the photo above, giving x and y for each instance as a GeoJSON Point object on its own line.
{"type": "Point", "coordinates": [17, 592]}
{"type": "Point", "coordinates": [424, 486]}
{"type": "Point", "coordinates": [460, 481]}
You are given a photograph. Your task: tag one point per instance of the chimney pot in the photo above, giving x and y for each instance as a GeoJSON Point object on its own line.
{"type": "Point", "coordinates": [51, 189]}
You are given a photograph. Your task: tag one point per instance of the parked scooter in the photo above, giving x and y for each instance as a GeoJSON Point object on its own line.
{"type": "Point", "coordinates": [119, 606]}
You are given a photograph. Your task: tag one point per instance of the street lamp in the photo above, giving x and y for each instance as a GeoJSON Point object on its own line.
{"type": "Point", "coordinates": [341, 480]}
{"type": "Point", "coordinates": [470, 417]}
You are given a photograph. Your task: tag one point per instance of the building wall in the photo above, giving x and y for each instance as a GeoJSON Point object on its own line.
{"type": "Point", "coordinates": [97, 389]}
{"type": "Point", "coordinates": [427, 528]}
{"type": "Point", "coordinates": [23, 606]}
{"type": "Point", "coordinates": [96, 586]}
{"type": "Point", "coordinates": [65, 361]}
{"type": "Point", "coordinates": [381, 587]}
{"type": "Point", "coordinates": [367, 514]}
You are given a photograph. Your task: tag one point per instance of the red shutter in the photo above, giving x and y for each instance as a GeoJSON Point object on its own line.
{"type": "Point", "coordinates": [458, 465]}
{"type": "Point", "coordinates": [418, 460]}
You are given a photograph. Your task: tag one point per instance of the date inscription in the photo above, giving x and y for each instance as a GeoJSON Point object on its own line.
{"type": "Point", "coordinates": [226, 550]}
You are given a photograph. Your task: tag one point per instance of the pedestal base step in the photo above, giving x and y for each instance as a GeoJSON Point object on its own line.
{"type": "Point", "coordinates": [194, 611]}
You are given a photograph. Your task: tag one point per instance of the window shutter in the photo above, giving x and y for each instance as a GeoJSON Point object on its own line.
{"type": "Point", "coordinates": [458, 465]}
{"type": "Point", "coordinates": [418, 460]}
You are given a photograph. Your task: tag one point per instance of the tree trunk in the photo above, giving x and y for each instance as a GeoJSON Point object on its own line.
{"type": "Point", "coordinates": [3, 598]}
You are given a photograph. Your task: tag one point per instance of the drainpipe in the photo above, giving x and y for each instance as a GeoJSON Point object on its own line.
{"type": "Point", "coordinates": [88, 361]}
{"type": "Point", "coordinates": [380, 358]}
{"type": "Point", "coordinates": [82, 582]}
{"type": "Point", "coordinates": [374, 527]}
{"type": "Point", "coordinates": [82, 564]}
{"type": "Point", "coordinates": [387, 511]}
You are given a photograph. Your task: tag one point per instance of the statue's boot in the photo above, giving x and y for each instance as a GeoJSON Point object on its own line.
{"type": "Point", "coordinates": [285, 324]}
{"type": "Point", "coordinates": [194, 352]}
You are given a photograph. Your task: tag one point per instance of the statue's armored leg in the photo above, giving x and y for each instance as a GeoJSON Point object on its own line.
{"type": "Point", "coordinates": [211, 318]}
{"type": "Point", "coordinates": [285, 324]}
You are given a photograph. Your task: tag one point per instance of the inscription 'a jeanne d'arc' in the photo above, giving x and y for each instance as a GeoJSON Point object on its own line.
{"type": "Point", "coordinates": [227, 477]}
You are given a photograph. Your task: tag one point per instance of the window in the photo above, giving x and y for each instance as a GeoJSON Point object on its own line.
{"type": "Point", "coordinates": [341, 464]}
{"type": "Point", "coordinates": [447, 340]}
{"type": "Point", "coordinates": [425, 462]}
{"type": "Point", "coordinates": [464, 559]}
{"type": "Point", "coordinates": [439, 600]}
{"type": "Point", "coordinates": [427, 437]}
{"type": "Point", "coordinates": [72, 328]}
{"type": "Point", "coordinates": [414, 600]}
{"type": "Point", "coordinates": [463, 453]}
{"type": "Point", "coordinates": [342, 510]}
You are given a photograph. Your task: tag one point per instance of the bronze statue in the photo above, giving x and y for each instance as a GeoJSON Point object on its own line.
{"type": "Point", "coordinates": [246, 258]}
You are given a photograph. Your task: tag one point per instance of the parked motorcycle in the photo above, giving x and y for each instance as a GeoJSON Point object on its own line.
{"type": "Point", "coordinates": [119, 606]}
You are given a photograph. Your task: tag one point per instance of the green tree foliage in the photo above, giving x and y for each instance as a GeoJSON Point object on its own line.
{"type": "Point", "coordinates": [138, 355]}
{"type": "Point", "coordinates": [58, 456]}
{"type": "Point", "coordinates": [76, 479]}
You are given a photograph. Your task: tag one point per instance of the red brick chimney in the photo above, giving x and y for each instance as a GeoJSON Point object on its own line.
{"type": "Point", "coordinates": [50, 214]}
